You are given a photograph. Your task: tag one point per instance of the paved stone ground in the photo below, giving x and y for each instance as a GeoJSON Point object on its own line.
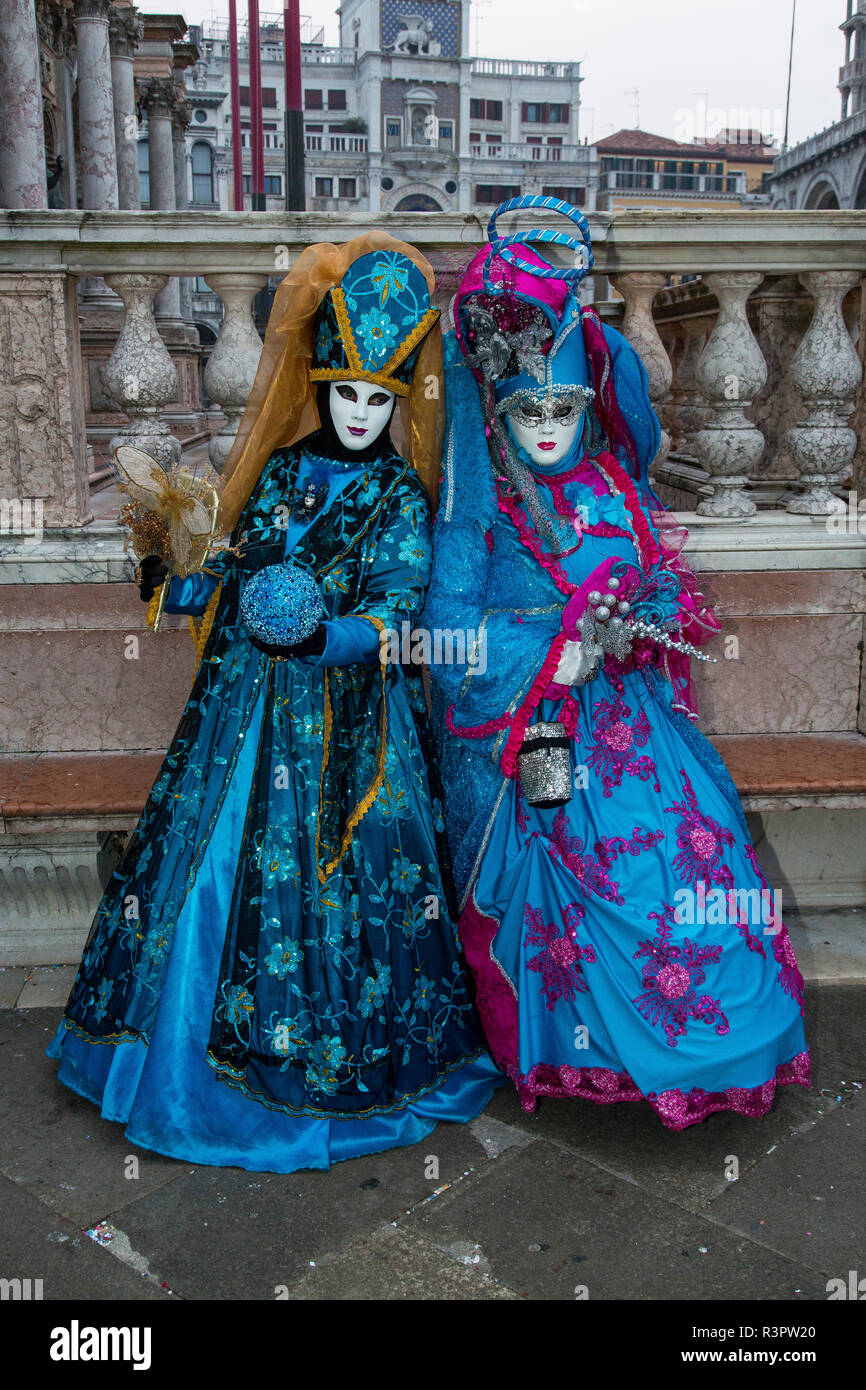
{"type": "Point", "coordinates": [575, 1197]}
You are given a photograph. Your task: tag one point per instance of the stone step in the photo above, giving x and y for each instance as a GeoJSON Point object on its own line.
{"type": "Point", "coordinates": [108, 790]}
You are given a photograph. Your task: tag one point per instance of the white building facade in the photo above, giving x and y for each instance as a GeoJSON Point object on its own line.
{"type": "Point", "coordinates": [398, 117]}
{"type": "Point", "coordinates": [829, 169]}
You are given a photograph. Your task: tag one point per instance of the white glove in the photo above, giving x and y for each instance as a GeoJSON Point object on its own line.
{"type": "Point", "coordinates": [578, 663]}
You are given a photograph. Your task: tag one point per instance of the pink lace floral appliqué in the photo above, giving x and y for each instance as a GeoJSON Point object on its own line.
{"type": "Point", "coordinates": [593, 870]}
{"type": "Point", "coordinates": [677, 1109]}
{"type": "Point", "coordinates": [558, 963]}
{"type": "Point", "coordinates": [616, 743]}
{"type": "Point", "coordinates": [671, 978]}
{"type": "Point", "coordinates": [789, 974]}
{"type": "Point", "coordinates": [700, 840]}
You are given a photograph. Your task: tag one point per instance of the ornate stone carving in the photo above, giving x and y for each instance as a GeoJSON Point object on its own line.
{"type": "Point", "coordinates": [730, 372]}
{"type": "Point", "coordinates": [639, 289]}
{"type": "Point", "coordinates": [159, 96]}
{"type": "Point", "coordinates": [125, 32]}
{"type": "Point", "coordinates": [231, 368]}
{"type": "Point", "coordinates": [140, 376]}
{"type": "Point", "coordinates": [826, 372]}
{"type": "Point", "coordinates": [42, 440]}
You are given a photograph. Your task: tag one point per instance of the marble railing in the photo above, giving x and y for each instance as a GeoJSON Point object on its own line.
{"type": "Point", "coordinates": [709, 385]}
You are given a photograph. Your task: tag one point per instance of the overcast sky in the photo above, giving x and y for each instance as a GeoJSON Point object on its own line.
{"type": "Point", "coordinates": [690, 61]}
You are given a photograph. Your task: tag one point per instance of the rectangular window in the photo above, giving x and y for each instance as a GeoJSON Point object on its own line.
{"type": "Point", "coordinates": [532, 112]}
{"type": "Point", "coordinates": [348, 188]}
{"type": "Point", "coordinates": [269, 96]}
{"type": "Point", "coordinates": [393, 132]}
{"type": "Point", "coordinates": [496, 192]}
{"type": "Point", "coordinates": [557, 113]}
{"type": "Point", "coordinates": [324, 188]}
{"type": "Point", "coordinates": [481, 110]}
{"type": "Point", "coordinates": [313, 99]}
{"type": "Point", "coordinates": [336, 100]}
{"type": "Point", "coordinates": [568, 193]}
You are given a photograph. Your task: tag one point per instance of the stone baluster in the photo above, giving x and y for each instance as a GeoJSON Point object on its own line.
{"type": "Point", "coordinates": [731, 372]}
{"type": "Point", "coordinates": [826, 372]}
{"type": "Point", "coordinates": [140, 376]}
{"type": "Point", "coordinates": [231, 368]}
{"type": "Point", "coordinates": [639, 288]}
{"type": "Point", "coordinates": [22, 140]}
{"type": "Point", "coordinates": [692, 412]}
{"type": "Point", "coordinates": [125, 31]}
{"type": "Point", "coordinates": [674, 343]}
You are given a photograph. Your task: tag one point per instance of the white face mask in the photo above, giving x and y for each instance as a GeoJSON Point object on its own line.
{"type": "Point", "coordinates": [546, 440]}
{"type": "Point", "coordinates": [360, 410]}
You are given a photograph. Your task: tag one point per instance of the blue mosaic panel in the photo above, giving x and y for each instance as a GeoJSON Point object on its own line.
{"type": "Point", "coordinates": [444, 16]}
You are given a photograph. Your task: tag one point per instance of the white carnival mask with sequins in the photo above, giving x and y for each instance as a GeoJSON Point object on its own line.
{"type": "Point", "coordinates": [546, 424]}
{"type": "Point", "coordinates": [360, 410]}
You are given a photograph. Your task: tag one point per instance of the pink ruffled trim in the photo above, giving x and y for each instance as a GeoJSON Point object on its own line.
{"type": "Point", "coordinates": [497, 1005]}
{"type": "Point", "coordinates": [533, 544]}
{"type": "Point", "coordinates": [492, 726]}
{"type": "Point", "coordinates": [677, 1109]}
{"type": "Point", "coordinates": [525, 711]}
{"type": "Point", "coordinates": [647, 548]}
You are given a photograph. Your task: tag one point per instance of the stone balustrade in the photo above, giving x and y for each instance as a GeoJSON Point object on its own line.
{"type": "Point", "coordinates": [750, 327]}
{"type": "Point", "coordinates": [707, 382]}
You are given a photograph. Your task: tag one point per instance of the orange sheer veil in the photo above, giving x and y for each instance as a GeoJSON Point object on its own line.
{"type": "Point", "coordinates": [282, 403]}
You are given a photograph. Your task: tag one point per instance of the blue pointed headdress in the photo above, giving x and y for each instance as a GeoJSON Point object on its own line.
{"type": "Point", "coordinates": [370, 326]}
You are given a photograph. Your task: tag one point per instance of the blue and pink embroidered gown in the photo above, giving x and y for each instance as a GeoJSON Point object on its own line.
{"type": "Point", "coordinates": [622, 947]}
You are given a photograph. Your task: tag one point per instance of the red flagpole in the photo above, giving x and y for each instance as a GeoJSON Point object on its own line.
{"type": "Point", "coordinates": [294, 118]}
{"type": "Point", "coordinates": [258, 162]}
{"type": "Point", "coordinates": [234, 85]}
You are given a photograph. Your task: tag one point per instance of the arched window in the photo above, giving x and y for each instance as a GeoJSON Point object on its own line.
{"type": "Point", "coordinates": [202, 172]}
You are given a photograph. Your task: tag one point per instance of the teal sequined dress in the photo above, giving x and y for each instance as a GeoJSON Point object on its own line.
{"type": "Point", "coordinates": [272, 979]}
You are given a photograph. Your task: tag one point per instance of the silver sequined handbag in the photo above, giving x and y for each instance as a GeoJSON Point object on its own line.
{"type": "Point", "coordinates": [544, 762]}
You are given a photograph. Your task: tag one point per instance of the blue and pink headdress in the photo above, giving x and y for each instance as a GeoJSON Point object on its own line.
{"type": "Point", "coordinates": [521, 331]}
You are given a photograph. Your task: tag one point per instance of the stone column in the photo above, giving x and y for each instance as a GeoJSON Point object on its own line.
{"type": "Point", "coordinates": [639, 289]}
{"type": "Point", "coordinates": [22, 142]}
{"type": "Point", "coordinates": [125, 30]}
{"type": "Point", "coordinates": [98, 157]}
{"type": "Point", "coordinates": [826, 371]}
{"type": "Point", "coordinates": [231, 368]}
{"type": "Point", "coordinates": [731, 372]}
{"type": "Point", "coordinates": [181, 117]}
{"type": "Point", "coordinates": [160, 98]}
{"type": "Point", "coordinates": [140, 375]}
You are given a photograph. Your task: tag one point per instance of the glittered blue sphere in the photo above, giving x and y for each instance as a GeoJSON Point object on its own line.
{"type": "Point", "coordinates": [281, 605]}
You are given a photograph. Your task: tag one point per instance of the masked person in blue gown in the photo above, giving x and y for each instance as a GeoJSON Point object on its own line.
{"type": "Point", "coordinates": [273, 979]}
{"type": "Point", "coordinates": [625, 943]}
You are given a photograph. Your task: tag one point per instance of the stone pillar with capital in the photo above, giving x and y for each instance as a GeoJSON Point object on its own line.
{"type": "Point", "coordinates": [22, 142]}
{"type": "Point", "coordinates": [160, 100]}
{"type": "Point", "coordinates": [97, 153]}
{"type": "Point", "coordinates": [180, 121]}
{"type": "Point", "coordinates": [125, 30]}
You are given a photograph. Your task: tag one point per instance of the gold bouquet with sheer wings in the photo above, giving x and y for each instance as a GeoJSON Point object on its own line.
{"type": "Point", "coordinates": [172, 515]}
